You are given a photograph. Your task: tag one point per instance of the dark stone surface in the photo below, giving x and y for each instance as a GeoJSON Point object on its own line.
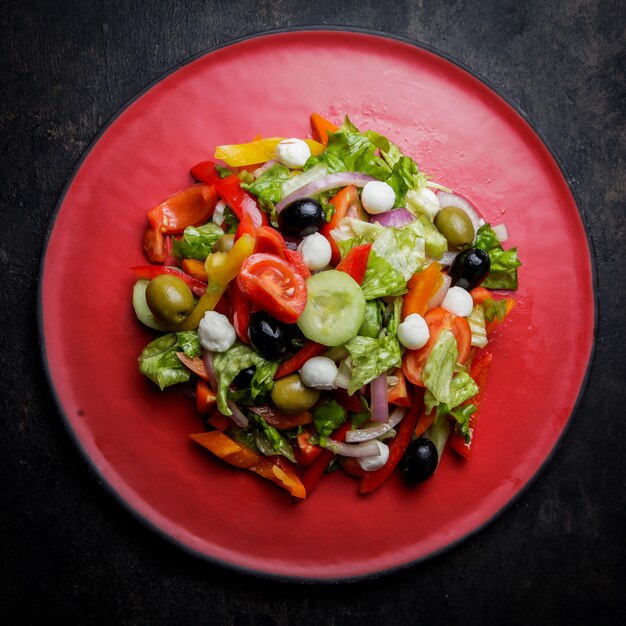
{"type": "Point", "coordinates": [70, 554]}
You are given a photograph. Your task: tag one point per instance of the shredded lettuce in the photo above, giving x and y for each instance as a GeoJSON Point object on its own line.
{"type": "Point", "coordinates": [269, 440]}
{"type": "Point", "coordinates": [263, 380]}
{"type": "Point", "coordinates": [494, 309]}
{"type": "Point", "coordinates": [328, 416]}
{"type": "Point", "coordinates": [439, 366]}
{"type": "Point", "coordinates": [438, 433]}
{"type": "Point", "coordinates": [477, 325]}
{"type": "Point", "coordinates": [372, 324]}
{"type": "Point", "coordinates": [504, 263]}
{"type": "Point", "coordinates": [268, 187]}
{"type": "Point", "coordinates": [158, 360]}
{"type": "Point", "coordinates": [371, 357]}
{"type": "Point", "coordinates": [196, 243]}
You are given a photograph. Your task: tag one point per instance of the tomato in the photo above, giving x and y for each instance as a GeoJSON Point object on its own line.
{"type": "Point", "coordinates": [437, 319]}
{"type": "Point", "coordinates": [347, 204]}
{"type": "Point", "coordinates": [274, 286]}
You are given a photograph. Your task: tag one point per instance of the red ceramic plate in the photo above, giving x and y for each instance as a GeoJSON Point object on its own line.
{"type": "Point", "coordinates": [136, 437]}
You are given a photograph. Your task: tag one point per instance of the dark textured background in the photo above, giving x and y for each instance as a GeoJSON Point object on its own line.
{"type": "Point", "coordinates": [71, 554]}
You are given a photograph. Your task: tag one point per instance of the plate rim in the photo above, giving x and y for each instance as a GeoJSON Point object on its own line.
{"type": "Point", "coordinates": [95, 471]}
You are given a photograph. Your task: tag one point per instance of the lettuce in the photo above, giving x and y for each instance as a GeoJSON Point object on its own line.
{"type": "Point", "coordinates": [328, 416]}
{"type": "Point", "coordinates": [404, 177]}
{"type": "Point", "coordinates": [504, 263]}
{"type": "Point", "coordinates": [371, 357]}
{"type": "Point", "coordinates": [477, 325]}
{"type": "Point", "coordinates": [439, 366]}
{"type": "Point", "coordinates": [158, 360]}
{"type": "Point", "coordinates": [372, 324]}
{"type": "Point", "coordinates": [268, 187]}
{"type": "Point", "coordinates": [196, 243]}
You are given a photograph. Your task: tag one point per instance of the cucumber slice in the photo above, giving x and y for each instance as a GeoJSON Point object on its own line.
{"type": "Point", "coordinates": [335, 308]}
{"type": "Point", "coordinates": [143, 313]}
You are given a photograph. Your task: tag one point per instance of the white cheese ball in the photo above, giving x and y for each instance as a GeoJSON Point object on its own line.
{"type": "Point", "coordinates": [292, 153]}
{"type": "Point", "coordinates": [378, 197]}
{"type": "Point", "coordinates": [319, 372]}
{"type": "Point", "coordinates": [413, 333]}
{"type": "Point", "coordinates": [215, 332]}
{"type": "Point", "coordinates": [316, 251]}
{"type": "Point", "coordinates": [458, 301]}
{"type": "Point", "coordinates": [372, 463]}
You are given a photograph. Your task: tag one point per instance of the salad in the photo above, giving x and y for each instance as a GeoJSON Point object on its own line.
{"type": "Point", "coordinates": [330, 306]}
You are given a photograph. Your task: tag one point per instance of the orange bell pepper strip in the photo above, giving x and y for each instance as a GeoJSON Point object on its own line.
{"type": "Point", "coordinates": [239, 455]}
{"type": "Point", "coordinates": [221, 268]}
{"type": "Point", "coordinates": [190, 207]}
{"type": "Point", "coordinates": [195, 365]}
{"type": "Point", "coordinates": [422, 287]}
{"type": "Point", "coordinates": [321, 127]}
{"type": "Point", "coordinates": [195, 268]}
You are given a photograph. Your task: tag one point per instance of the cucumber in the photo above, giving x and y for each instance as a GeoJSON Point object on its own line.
{"type": "Point", "coordinates": [143, 313]}
{"type": "Point", "coordinates": [335, 308]}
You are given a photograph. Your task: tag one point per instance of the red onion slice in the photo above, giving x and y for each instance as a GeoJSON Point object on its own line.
{"type": "Point", "coordinates": [396, 218]}
{"type": "Point", "coordinates": [373, 432]}
{"type": "Point", "coordinates": [460, 202]}
{"type": "Point", "coordinates": [380, 404]}
{"type": "Point", "coordinates": [238, 417]}
{"type": "Point", "coordinates": [331, 181]}
{"type": "Point", "coordinates": [440, 294]}
{"type": "Point", "coordinates": [368, 448]}
{"type": "Point", "coordinates": [266, 166]}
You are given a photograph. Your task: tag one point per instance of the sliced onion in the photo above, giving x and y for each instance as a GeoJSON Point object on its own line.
{"type": "Point", "coordinates": [331, 181]}
{"type": "Point", "coordinates": [266, 166]}
{"type": "Point", "coordinates": [373, 432]}
{"type": "Point", "coordinates": [440, 294]}
{"type": "Point", "coordinates": [379, 401]}
{"type": "Point", "coordinates": [368, 448]}
{"type": "Point", "coordinates": [455, 200]}
{"type": "Point", "coordinates": [207, 357]}
{"type": "Point", "coordinates": [447, 258]}
{"type": "Point", "coordinates": [434, 185]}
{"type": "Point", "coordinates": [501, 232]}
{"type": "Point", "coordinates": [238, 417]}
{"type": "Point", "coordinates": [395, 217]}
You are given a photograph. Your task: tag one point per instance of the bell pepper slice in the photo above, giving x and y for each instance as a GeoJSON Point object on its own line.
{"type": "Point", "coordinates": [243, 457]}
{"type": "Point", "coordinates": [306, 452]}
{"type": "Point", "coordinates": [355, 262]}
{"type": "Point", "coordinates": [190, 207]}
{"type": "Point", "coordinates": [308, 351]}
{"type": "Point", "coordinates": [397, 447]}
{"type": "Point", "coordinates": [154, 245]}
{"type": "Point", "coordinates": [257, 151]}
{"type": "Point", "coordinates": [229, 189]}
{"type": "Point", "coordinates": [422, 287]}
{"type": "Point", "coordinates": [240, 311]}
{"type": "Point", "coordinates": [195, 268]}
{"type": "Point", "coordinates": [221, 268]}
{"type": "Point", "coordinates": [321, 127]}
{"type": "Point", "coordinates": [197, 287]}
{"type": "Point", "coordinates": [195, 365]}
{"type": "Point", "coordinates": [206, 398]}
{"type": "Point", "coordinates": [478, 370]}
{"type": "Point", "coordinates": [399, 394]}
{"type": "Point", "coordinates": [280, 420]}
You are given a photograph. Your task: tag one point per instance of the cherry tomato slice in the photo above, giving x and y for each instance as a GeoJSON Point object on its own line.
{"type": "Point", "coordinates": [274, 286]}
{"type": "Point", "coordinates": [437, 319]}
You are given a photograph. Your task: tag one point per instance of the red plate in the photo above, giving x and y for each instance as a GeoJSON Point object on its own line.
{"type": "Point", "coordinates": [136, 437]}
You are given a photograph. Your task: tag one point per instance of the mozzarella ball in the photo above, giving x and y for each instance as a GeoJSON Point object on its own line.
{"type": "Point", "coordinates": [316, 251]}
{"type": "Point", "coordinates": [372, 463]}
{"type": "Point", "coordinates": [413, 333]}
{"type": "Point", "coordinates": [319, 373]}
{"type": "Point", "coordinates": [292, 153]}
{"type": "Point", "coordinates": [458, 301]}
{"type": "Point", "coordinates": [378, 197]}
{"type": "Point", "coordinates": [215, 332]}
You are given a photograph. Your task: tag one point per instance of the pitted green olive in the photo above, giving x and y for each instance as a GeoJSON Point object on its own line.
{"type": "Point", "coordinates": [169, 299]}
{"type": "Point", "coordinates": [290, 394]}
{"type": "Point", "coordinates": [455, 225]}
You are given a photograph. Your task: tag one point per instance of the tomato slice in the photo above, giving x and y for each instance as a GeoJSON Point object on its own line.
{"type": "Point", "coordinates": [347, 204]}
{"type": "Point", "coordinates": [274, 286]}
{"type": "Point", "coordinates": [437, 319]}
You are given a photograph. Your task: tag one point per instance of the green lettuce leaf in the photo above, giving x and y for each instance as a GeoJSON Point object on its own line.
{"type": "Point", "coordinates": [504, 263]}
{"type": "Point", "coordinates": [478, 327]}
{"type": "Point", "coordinates": [268, 187]}
{"type": "Point", "coordinates": [371, 357]}
{"type": "Point", "coordinates": [158, 361]}
{"type": "Point", "coordinates": [328, 416]}
{"type": "Point", "coordinates": [404, 177]}
{"type": "Point", "coordinates": [373, 322]}
{"type": "Point", "coordinates": [440, 365]}
{"type": "Point", "coordinates": [227, 365]}
{"type": "Point", "coordinates": [494, 309]}
{"type": "Point", "coordinates": [263, 380]}
{"type": "Point", "coordinates": [269, 440]}
{"type": "Point", "coordinates": [435, 243]}
{"type": "Point", "coordinates": [196, 243]}
{"type": "Point", "coordinates": [382, 279]}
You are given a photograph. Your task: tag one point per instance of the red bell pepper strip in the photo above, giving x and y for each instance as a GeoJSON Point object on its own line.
{"type": "Point", "coordinates": [195, 365]}
{"type": "Point", "coordinates": [479, 369]}
{"type": "Point", "coordinates": [282, 421]}
{"type": "Point", "coordinates": [190, 207]}
{"type": "Point", "coordinates": [355, 262]}
{"type": "Point", "coordinates": [206, 398]}
{"type": "Point", "coordinates": [314, 472]}
{"type": "Point", "coordinates": [229, 189]}
{"type": "Point", "coordinates": [308, 351]}
{"type": "Point", "coordinates": [240, 311]}
{"type": "Point", "coordinates": [397, 447]}
{"type": "Point", "coordinates": [306, 452]}
{"type": "Point", "coordinates": [150, 271]}
{"type": "Point", "coordinates": [349, 403]}
{"type": "Point", "coordinates": [154, 245]}
{"type": "Point", "coordinates": [246, 227]}
{"type": "Point", "coordinates": [399, 394]}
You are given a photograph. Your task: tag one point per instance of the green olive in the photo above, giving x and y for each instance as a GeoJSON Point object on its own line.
{"type": "Point", "coordinates": [455, 225]}
{"type": "Point", "coordinates": [291, 395]}
{"type": "Point", "coordinates": [224, 243]}
{"type": "Point", "coordinates": [169, 299]}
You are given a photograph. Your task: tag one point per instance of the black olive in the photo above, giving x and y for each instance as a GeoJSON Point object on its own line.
{"type": "Point", "coordinates": [268, 336]}
{"type": "Point", "coordinates": [301, 217]}
{"type": "Point", "coordinates": [244, 378]}
{"type": "Point", "coordinates": [469, 268]}
{"type": "Point", "coordinates": [419, 461]}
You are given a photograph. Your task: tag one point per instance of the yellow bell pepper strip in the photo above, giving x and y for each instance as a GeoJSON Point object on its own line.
{"type": "Point", "coordinates": [275, 469]}
{"type": "Point", "coordinates": [221, 268]}
{"type": "Point", "coordinates": [258, 151]}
